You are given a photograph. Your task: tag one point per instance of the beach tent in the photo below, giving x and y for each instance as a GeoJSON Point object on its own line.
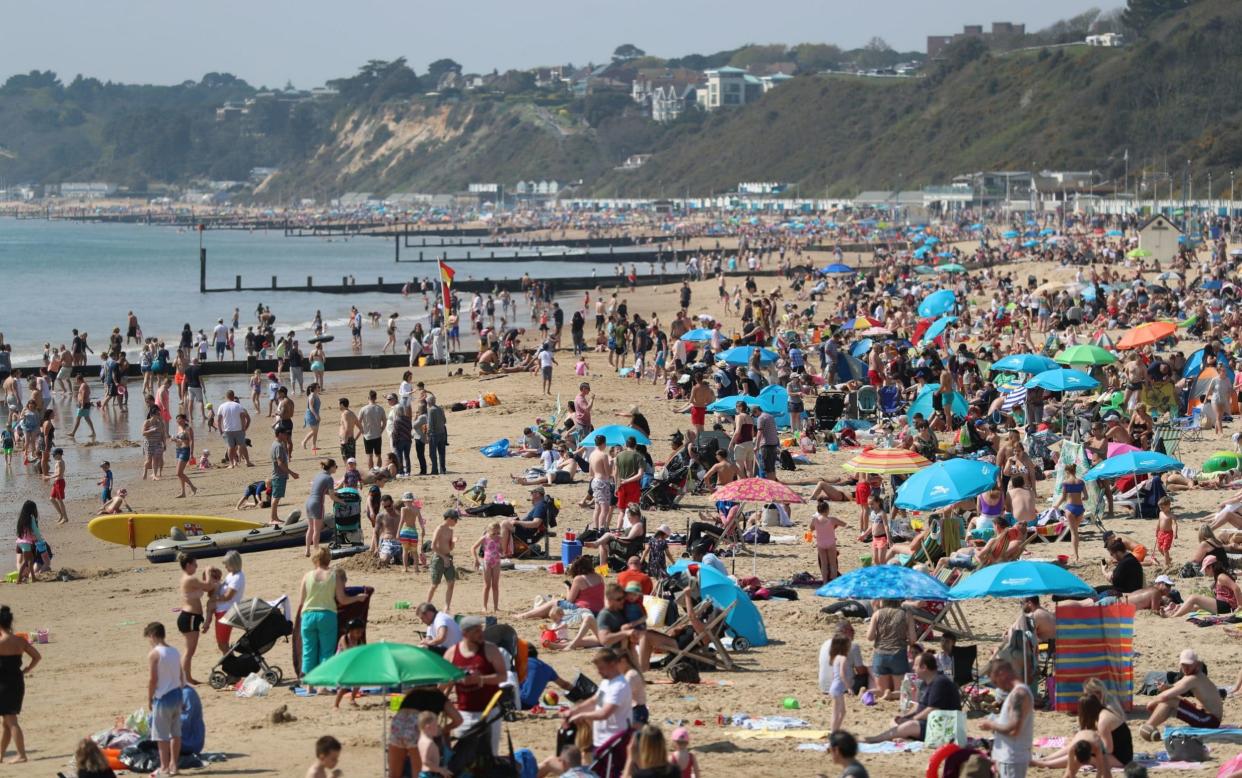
{"type": "Point", "coordinates": [744, 621]}
{"type": "Point", "coordinates": [1201, 378]}
{"type": "Point", "coordinates": [923, 403]}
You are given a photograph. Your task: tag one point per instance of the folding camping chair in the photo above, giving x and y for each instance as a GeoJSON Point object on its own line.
{"type": "Point", "coordinates": [868, 400]}
{"type": "Point", "coordinates": [1190, 426]}
{"type": "Point", "coordinates": [1168, 438]}
{"type": "Point", "coordinates": [710, 636]}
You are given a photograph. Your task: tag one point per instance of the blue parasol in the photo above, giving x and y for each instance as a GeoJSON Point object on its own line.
{"type": "Point", "coordinates": [850, 369]}
{"type": "Point", "coordinates": [744, 620]}
{"type": "Point", "coordinates": [860, 348]}
{"type": "Point", "coordinates": [616, 435]}
{"type": "Point", "coordinates": [1063, 379]}
{"type": "Point", "coordinates": [837, 267]}
{"type": "Point", "coordinates": [937, 327]}
{"type": "Point", "coordinates": [1114, 233]}
{"type": "Point", "coordinates": [1023, 578]}
{"type": "Point", "coordinates": [740, 355]}
{"type": "Point", "coordinates": [945, 483]}
{"type": "Point", "coordinates": [1025, 363]}
{"type": "Point", "coordinates": [697, 336]}
{"type": "Point", "coordinates": [885, 582]}
{"type": "Point", "coordinates": [1133, 463]}
{"type": "Point", "coordinates": [937, 303]}
{"type": "Point", "coordinates": [1009, 234]}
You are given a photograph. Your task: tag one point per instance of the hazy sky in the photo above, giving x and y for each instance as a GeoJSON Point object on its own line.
{"type": "Point", "coordinates": [309, 41]}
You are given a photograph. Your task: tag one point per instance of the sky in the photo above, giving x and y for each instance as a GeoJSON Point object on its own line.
{"type": "Point", "coordinates": [269, 42]}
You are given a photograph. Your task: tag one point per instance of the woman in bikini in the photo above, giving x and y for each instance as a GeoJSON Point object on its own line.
{"type": "Point", "coordinates": [1070, 503]}
{"type": "Point", "coordinates": [1225, 592]}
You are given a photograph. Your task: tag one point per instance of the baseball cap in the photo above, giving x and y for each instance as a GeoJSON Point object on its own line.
{"type": "Point", "coordinates": [407, 497]}
{"type": "Point", "coordinates": [663, 528]}
{"type": "Point", "coordinates": [1188, 657]}
{"type": "Point", "coordinates": [1164, 579]}
{"type": "Point", "coordinates": [470, 622]}
{"type": "Point", "coordinates": [351, 461]}
{"type": "Point", "coordinates": [537, 490]}
{"type": "Point", "coordinates": [634, 586]}
{"type": "Point", "coordinates": [680, 735]}
{"type": "Point", "coordinates": [1207, 562]}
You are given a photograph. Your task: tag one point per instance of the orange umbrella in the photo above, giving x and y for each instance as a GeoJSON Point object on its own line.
{"type": "Point", "coordinates": [887, 461]}
{"type": "Point", "coordinates": [1146, 334]}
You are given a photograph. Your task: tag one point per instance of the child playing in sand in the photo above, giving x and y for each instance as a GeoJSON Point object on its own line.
{"type": "Point", "coordinates": [204, 460]}
{"type": "Point", "coordinates": [1166, 529]}
{"type": "Point", "coordinates": [825, 527]}
{"type": "Point", "coordinates": [581, 367]}
{"type": "Point", "coordinates": [354, 636]}
{"type": "Point", "coordinates": [411, 528]}
{"type": "Point", "coordinates": [838, 654]}
{"type": "Point", "coordinates": [327, 755]}
{"type": "Point", "coordinates": [490, 563]}
{"type": "Point", "coordinates": [429, 745]}
{"type": "Point", "coordinates": [254, 493]}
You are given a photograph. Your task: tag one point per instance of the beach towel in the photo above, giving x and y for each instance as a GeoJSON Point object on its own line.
{"type": "Point", "coordinates": [1094, 642]}
{"type": "Point", "coordinates": [1221, 735]}
{"type": "Point", "coordinates": [782, 734]}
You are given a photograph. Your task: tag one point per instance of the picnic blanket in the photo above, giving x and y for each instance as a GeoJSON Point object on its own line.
{"type": "Point", "coordinates": [781, 734]}
{"type": "Point", "coordinates": [1094, 641]}
{"type": "Point", "coordinates": [884, 747]}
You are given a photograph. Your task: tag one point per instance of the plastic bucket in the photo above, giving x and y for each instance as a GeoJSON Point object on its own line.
{"type": "Point", "coordinates": [570, 550]}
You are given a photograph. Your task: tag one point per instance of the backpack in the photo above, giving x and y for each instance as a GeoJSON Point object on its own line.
{"type": "Point", "coordinates": [786, 460]}
{"type": "Point", "coordinates": [1186, 748]}
{"type": "Point", "coordinates": [553, 510]}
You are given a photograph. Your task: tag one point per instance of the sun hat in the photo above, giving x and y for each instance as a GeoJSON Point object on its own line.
{"type": "Point", "coordinates": [1164, 579]}
{"type": "Point", "coordinates": [680, 735]}
{"type": "Point", "coordinates": [663, 528]}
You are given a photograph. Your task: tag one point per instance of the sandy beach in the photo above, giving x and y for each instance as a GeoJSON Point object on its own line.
{"type": "Point", "coordinates": [93, 669]}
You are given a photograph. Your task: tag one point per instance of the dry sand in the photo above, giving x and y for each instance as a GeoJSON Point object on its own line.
{"type": "Point", "coordinates": [93, 670]}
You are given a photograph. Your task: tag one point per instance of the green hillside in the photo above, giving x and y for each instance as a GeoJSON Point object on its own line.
{"type": "Point", "coordinates": [1175, 95]}
{"type": "Point", "coordinates": [1170, 96]}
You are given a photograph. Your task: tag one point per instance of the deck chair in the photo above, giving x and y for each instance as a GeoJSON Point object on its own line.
{"type": "Point", "coordinates": [1190, 426]}
{"type": "Point", "coordinates": [1168, 439]}
{"type": "Point", "coordinates": [950, 618]}
{"type": "Point", "coordinates": [868, 401]}
{"type": "Point", "coordinates": [696, 649]}
{"type": "Point", "coordinates": [929, 552]}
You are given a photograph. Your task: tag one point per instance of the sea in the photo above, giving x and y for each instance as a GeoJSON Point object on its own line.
{"type": "Point", "coordinates": [59, 275]}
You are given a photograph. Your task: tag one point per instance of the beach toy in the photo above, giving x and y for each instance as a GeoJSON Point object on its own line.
{"type": "Point", "coordinates": [11, 577]}
{"type": "Point", "coordinates": [790, 703]}
{"type": "Point", "coordinates": [548, 637]}
{"type": "Point", "coordinates": [603, 570]}
{"type": "Point", "coordinates": [571, 535]}
{"type": "Point", "coordinates": [550, 699]}
{"type": "Point", "coordinates": [865, 560]}
{"type": "Point", "coordinates": [42, 636]}
{"type": "Point", "coordinates": [556, 568]}
{"type": "Point", "coordinates": [401, 605]}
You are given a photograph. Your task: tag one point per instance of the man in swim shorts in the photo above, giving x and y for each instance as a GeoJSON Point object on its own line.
{"type": "Point", "coordinates": [1203, 708]}
{"type": "Point", "coordinates": [442, 568]}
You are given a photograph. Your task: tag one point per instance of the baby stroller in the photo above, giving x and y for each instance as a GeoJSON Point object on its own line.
{"type": "Point", "coordinates": [347, 516]}
{"type": "Point", "coordinates": [472, 752]}
{"type": "Point", "coordinates": [667, 486]}
{"type": "Point", "coordinates": [262, 624]}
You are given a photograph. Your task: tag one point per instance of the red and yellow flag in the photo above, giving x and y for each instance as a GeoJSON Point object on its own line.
{"type": "Point", "coordinates": [446, 284]}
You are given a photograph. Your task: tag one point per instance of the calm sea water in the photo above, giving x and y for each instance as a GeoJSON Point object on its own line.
{"type": "Point", "coordinates": [55, 276]}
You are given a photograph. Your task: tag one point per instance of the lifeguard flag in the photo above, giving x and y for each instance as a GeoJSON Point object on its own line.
{"type": "Point", "coordinates": [446, 282]}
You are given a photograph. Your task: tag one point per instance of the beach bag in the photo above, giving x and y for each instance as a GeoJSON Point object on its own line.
{"type": "Point", "coordinates": [491, 399]}
{"type": "Point", "coordinates": [1186, 748]}
{"type": "Point", "coordinates": [254, 686]}
{"type": "Point", "coordinates": [757, 535]}
{"type": "Point", "coordinates": [945, 726]}
{"type": "Point", "coordinates": [497, 450]}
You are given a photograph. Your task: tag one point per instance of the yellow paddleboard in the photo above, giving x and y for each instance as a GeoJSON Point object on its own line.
{"type": "Point", "coordinates": [136, 530]}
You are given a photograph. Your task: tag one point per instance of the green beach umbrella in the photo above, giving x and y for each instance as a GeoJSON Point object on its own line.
{"type": "Point", "coordinates": [951, 267]}
{"type": "Point", "coordinates": [1085, 354]}
{"type": "Point", "coordinates": [1220, 462]}
{"type": "Point", "coordinates": [384, 664]}
{"type": "Point", "coordinates": [1138, 253]}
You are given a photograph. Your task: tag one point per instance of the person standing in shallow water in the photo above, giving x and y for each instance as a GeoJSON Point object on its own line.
{"type": "Point", "coordinates": [13, 684]}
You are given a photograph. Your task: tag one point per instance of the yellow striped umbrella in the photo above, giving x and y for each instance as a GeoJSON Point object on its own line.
{"type": "Point", "coordinates": [887, 461]}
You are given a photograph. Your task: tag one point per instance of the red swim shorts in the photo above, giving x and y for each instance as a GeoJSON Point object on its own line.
{"type": "Point", "coordinates": [628, 493]}
{"type": "Point", "coordinates": [698, 415]}
{"type": "Point", "coordinates": [58, 489]}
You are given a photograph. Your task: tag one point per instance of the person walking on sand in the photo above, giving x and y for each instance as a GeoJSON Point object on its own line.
{"type": "Point", "coordinates": [1013, 731]}
{"type": "Point", "coordinates": [57, 477]}
{"type": "Point", "coordinates": [164, 682]}
{"type": "Point", "coordinates": [13, 684]}
{"type": "Point", "coordinates": [312, 418]}
{"type": "Point", "coordinates": [442, 568]}
{"type": "Point", "coordinates": [546, 360]}
{"type": "Point", "coordinates": [190, 619]}
{"type": "Point", "coordinates": [83, 396]}
{"type": "Point", "coordinates": [321, 488]}
{"type": "Point", "coordinates": [183, 447]}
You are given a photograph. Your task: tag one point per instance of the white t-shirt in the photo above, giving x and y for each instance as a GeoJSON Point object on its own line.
{"type": "Point", "coordinates": [615, 691]}
{"type": "Point", "coordinates": [446, 622]}
{"type": "Point", "coordinates": [549, 461]}
{"type": "Point", "coordinates": [167, 670]}
{"type": "Point", "coordinates": [220, 334]}
{"type": "Point", "coordinates": [236, 583]}
{"type": "Point", "coordinates": [545, 358]}
{"type": "Point", "coordinates": [230, 415]}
